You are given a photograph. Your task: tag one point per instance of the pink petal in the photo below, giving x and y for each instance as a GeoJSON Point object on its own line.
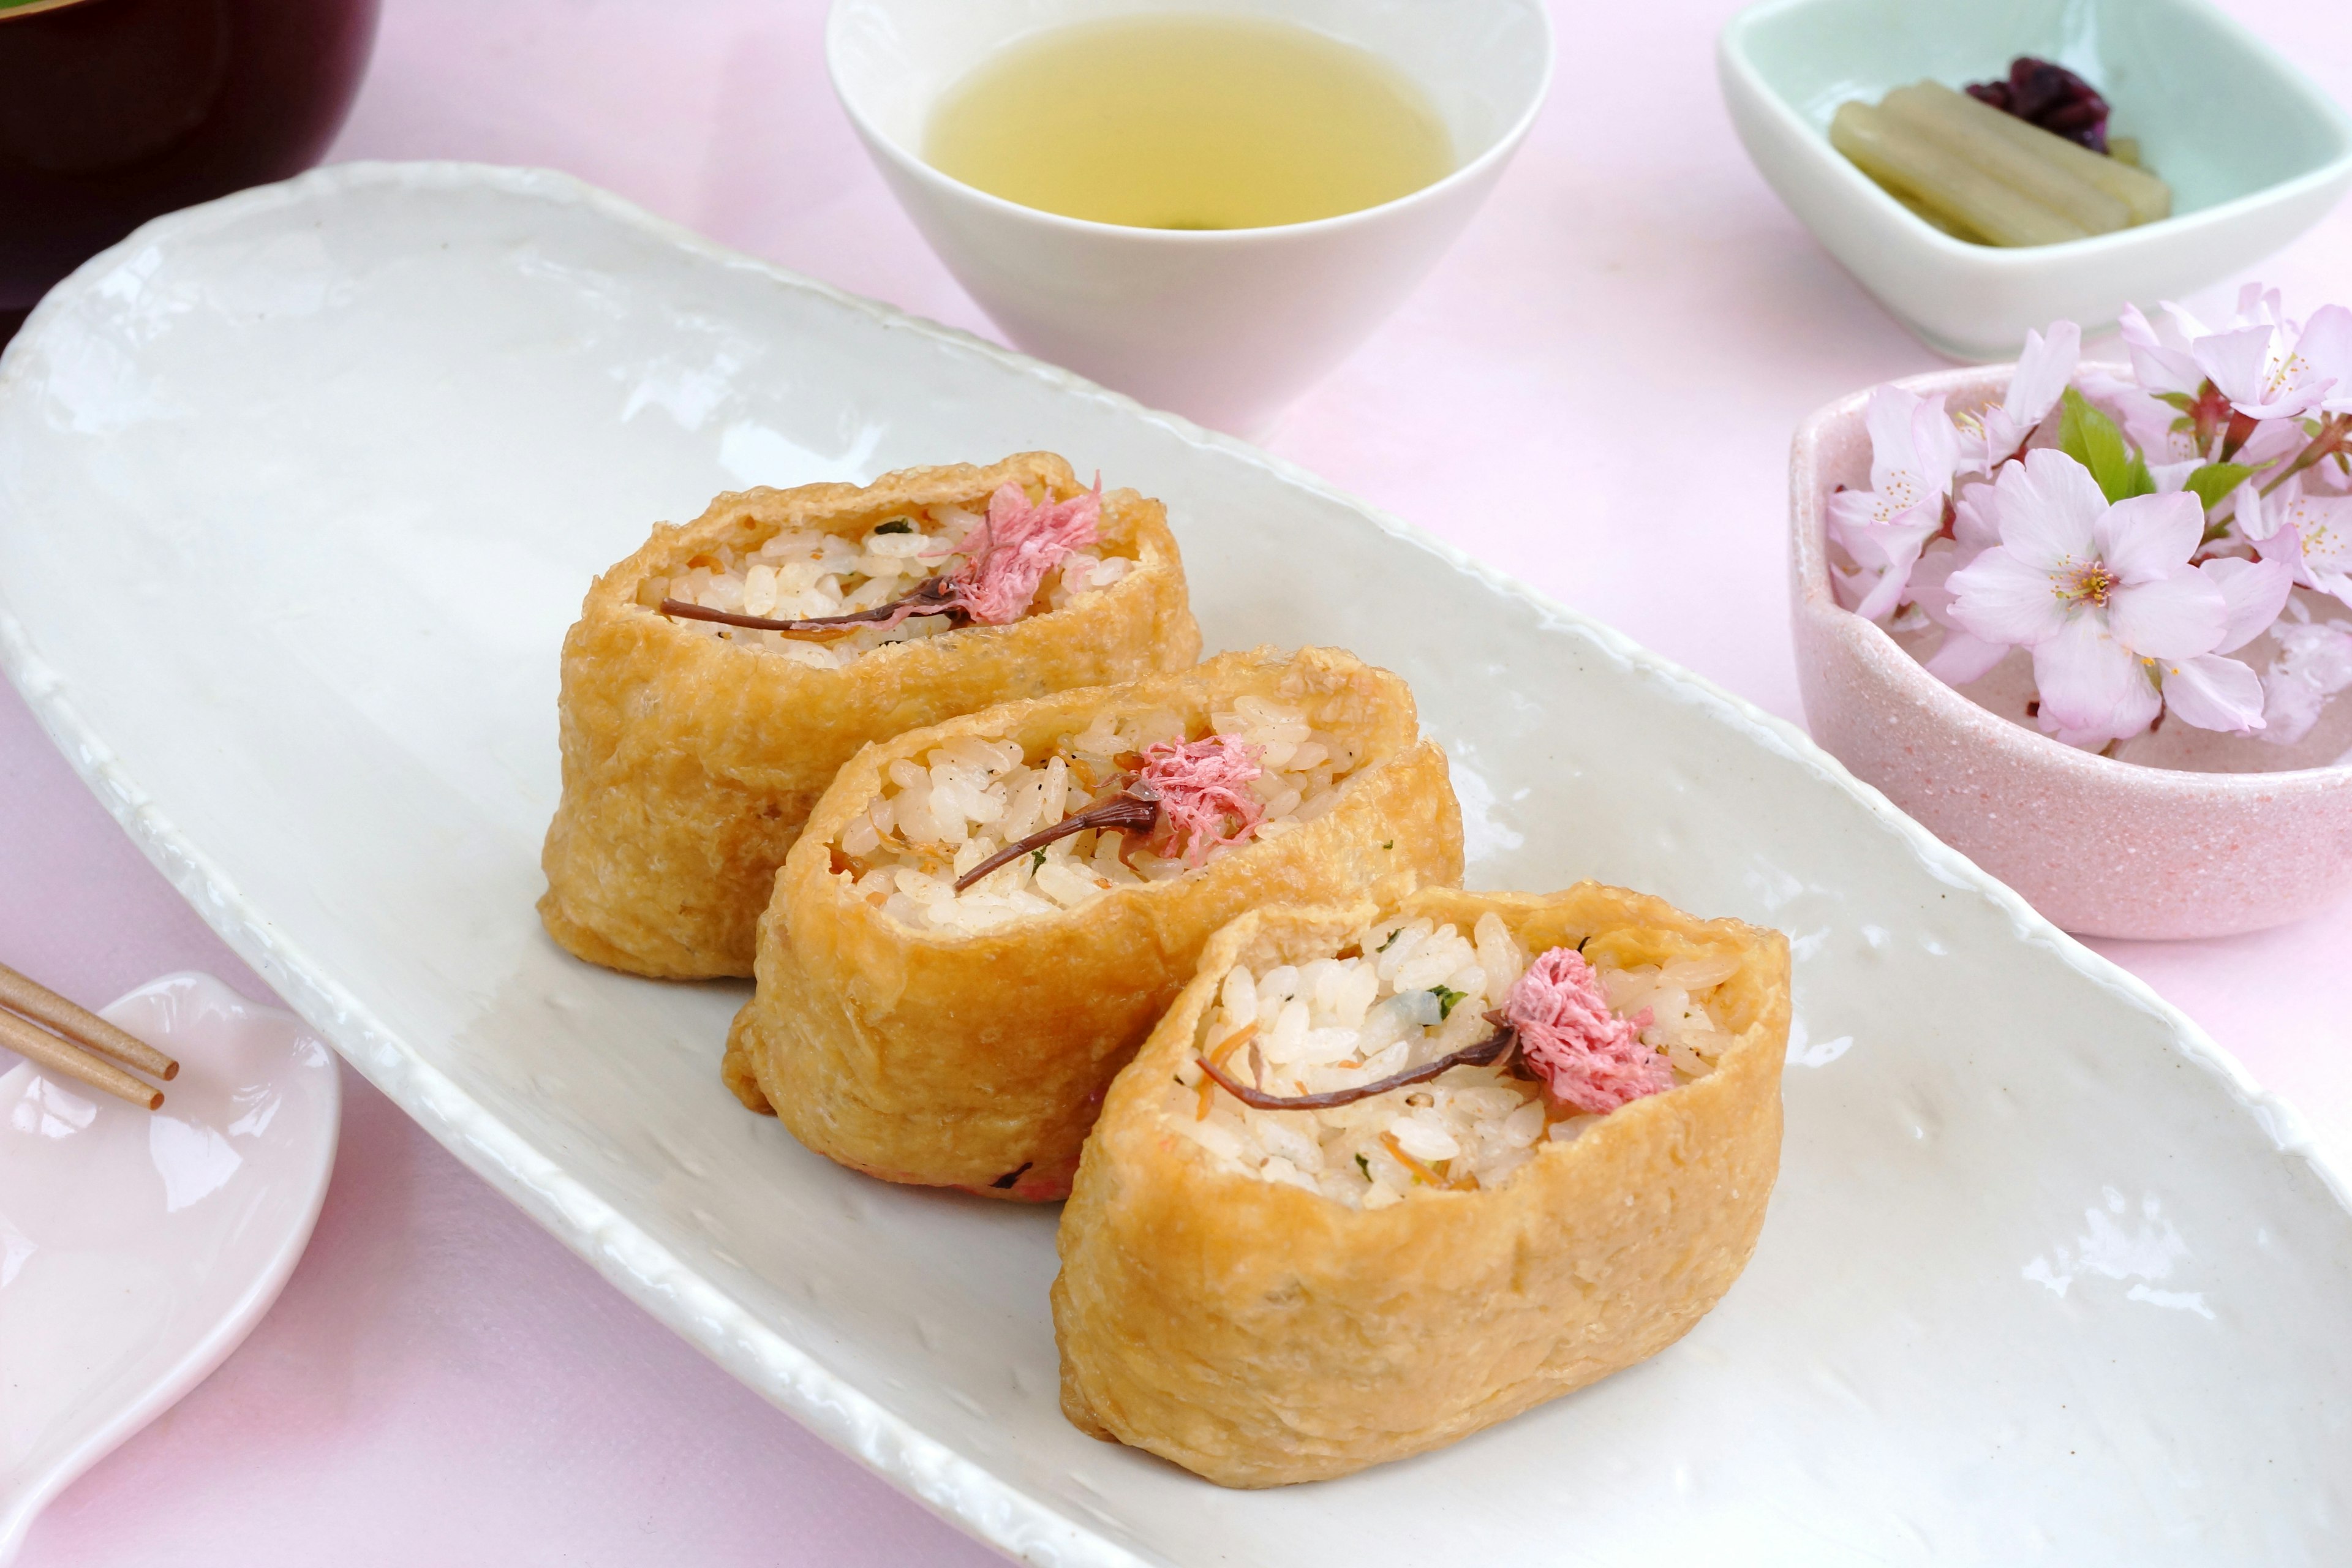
{"type": "Point", "coordinates": [1887, 594]}
{"type": "Point", "coordinates": [1963, 657]}
{"type": "Point", "coordinates": [2285, 546]}
{"type": "Point", "coordinates": [2002, 599]}
{"type": "Point", "coordinates": [1976, 521]}
{"type": "Point", "coordinates": [2050, 509]}
{"type": "Point", "coordinates": [2148, 538]}
{"type": "Point", "coordinates": [1885, 551]}
{"type": "Point", "coordinates": [1936, 445]}
{"type": "Point", "coordinates": [2258, 306]}
{"type": "Point", "coordinates": [2311, 535]}
{"type": "Point", "coordinates": [2161, 365]}
{"type": "Point", "coordinates": [2290, 708]}
{"type": "Point", "coordinates": [2237, 363]}
{"type": "Point", "coordinates": [2326, 524]}
{"type": "Point", "coordinates": [2272, 440]}
{"type": "Point", "coordinates": [2173, 617]}
{"type": "Point", "coordinates": [2090, 684]}
{"type": "Point", "coordinates": [1851, 514]}
{"type": "Point", "coordinates": [2254, 592]}
{"type": "Point", "coordinates": [1897, 471]}
{"type": "Point", "coordinates": [1882, 543]}
{"type": "Point", "coordinates": [2258, 516]}
{"type": "Point", "coordinates": [2214, 693]}
{"type": "Point", "coordinates": [2326, 344]}
{"type": "Point", "coordinates": [1930, 576]}
{"type": "Point", "coordinates": [2042, 370]}
{"type": "Point", "coordinates": [2314, 662]}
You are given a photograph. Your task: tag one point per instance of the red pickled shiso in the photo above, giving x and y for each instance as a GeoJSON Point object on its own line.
{"type": "Point", "coordinates": [2051, 97]}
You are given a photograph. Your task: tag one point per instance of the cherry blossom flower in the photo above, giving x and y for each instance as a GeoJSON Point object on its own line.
{"type": "Point", "coordinates": [2310, 534]}
{"type": "Point", "coordinates": [1914, 453]}
{"type": "Point", "coordinates": [2314, 663]}
{"type": "Point", "coordinates": [2256, 366]}
{"type": "Point", "coordinates": [2263, 365]}
{"type": "Point", "coordinates": [2163, 358]}
{"type": "Point", "coordinates": [1993, 528]}
{"type": "Point", "coordinates": [1993, 437]}
{"type": "Point", "coordinates": [2104, 596]}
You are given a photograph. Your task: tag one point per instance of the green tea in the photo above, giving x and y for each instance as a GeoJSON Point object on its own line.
{"type": "Point", "coordinates": [1189, 121]}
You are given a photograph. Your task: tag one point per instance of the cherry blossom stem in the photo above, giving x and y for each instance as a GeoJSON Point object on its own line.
{"type": "Point", "coordinates": [1129, 811]}
{"type": "Point", "coordinates": [930, 597]}
{"type": "Point", "coordinates": [1483, 1054]}
{"type": "Point", "coordinates": [2330, 441]}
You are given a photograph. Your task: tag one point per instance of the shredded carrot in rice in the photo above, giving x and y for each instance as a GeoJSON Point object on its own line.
{"type": "Point", "coordinates": [1226, 1048]}
{"type": "Point", "coordinates": [1421, 1172]}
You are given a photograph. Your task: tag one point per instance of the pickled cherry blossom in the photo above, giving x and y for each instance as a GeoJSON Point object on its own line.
{"type": "Point", "coordinates": [1202, 788]}
{"type": "Point", "coordinates": [1586, 1055]}
{"type": "Point", "coordinates": [1020, 542]}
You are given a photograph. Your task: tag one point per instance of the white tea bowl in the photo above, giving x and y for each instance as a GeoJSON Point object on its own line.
{"type": "Point", "coordinates": [2102, 847]}
{"type": "Point", "coordinates": [1224, 326]}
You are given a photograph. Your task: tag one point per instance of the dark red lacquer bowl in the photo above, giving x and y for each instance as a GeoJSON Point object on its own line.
{"type": "Point", "coordinates": [112, 111]}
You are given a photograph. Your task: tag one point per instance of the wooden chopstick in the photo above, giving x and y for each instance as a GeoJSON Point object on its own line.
{"type": "Point", "coordinates": [41, 1047]}
{"type": "Point", "coordinates": [83, 1027]}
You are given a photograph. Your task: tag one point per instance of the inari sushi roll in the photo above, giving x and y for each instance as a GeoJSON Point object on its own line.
{"type": "Point", "coordinates": [985, 918]}
{"type": "Point", "coordinates": [718, 678]}
{"type": "Point", "coordinates": [1382, 1179]}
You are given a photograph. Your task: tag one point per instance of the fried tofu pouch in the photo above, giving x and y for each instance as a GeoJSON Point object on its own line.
{"type": "Point", "coordinates": [1259, 1334]}
{"type": "Point", "coordinates": [690, 763]}
{"type": "Point", "coordinates": [978, 1061]}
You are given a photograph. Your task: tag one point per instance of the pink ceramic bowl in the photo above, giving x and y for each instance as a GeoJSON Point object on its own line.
{"type": "Point", "coordinates": [2102, 847]}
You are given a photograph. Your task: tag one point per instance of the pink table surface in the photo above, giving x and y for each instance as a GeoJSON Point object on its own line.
{"type": "Point", "coordinates": [1595, 392]}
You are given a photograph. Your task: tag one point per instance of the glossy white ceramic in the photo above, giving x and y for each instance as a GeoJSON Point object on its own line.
{"type": "Point", "coordinates": [138, 1250]}
{"type": "Point", "coordinates": [2046, 1278]}
{"type": "Point", "coordinates": [2255, 151]}
{"type": "Point", "coordinates": [1225, 326]}
{"type": "Point", "coordinates": [2102, 846]}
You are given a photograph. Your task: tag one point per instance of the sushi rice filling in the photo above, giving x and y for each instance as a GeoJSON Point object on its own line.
{"type": "Point", "coordinates": [1014, 559]}
{"type": "Point", "coordinates": [1408, 994]}
{"type": "Point", "coordinates": [1258, 771]}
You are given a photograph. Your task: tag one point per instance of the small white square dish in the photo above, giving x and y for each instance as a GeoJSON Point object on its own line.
{"type": "Point", "coordinates": [298, 494]}
{"type": "Point", "coordinates": [2255, 151]}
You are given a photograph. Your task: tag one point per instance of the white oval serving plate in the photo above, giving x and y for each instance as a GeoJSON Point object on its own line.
{"type": "Point", "coordinates": [137, 1250]}
{"type": "Point", "coordinates": [298, 492]}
